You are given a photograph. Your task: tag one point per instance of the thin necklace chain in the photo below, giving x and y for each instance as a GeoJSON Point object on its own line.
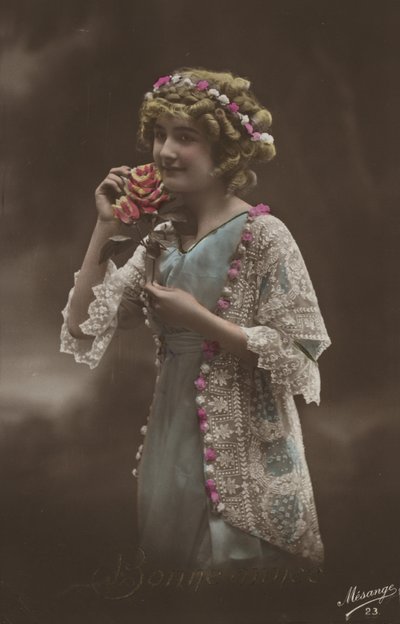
{"type": "Point", "coordinates": [208, 233]}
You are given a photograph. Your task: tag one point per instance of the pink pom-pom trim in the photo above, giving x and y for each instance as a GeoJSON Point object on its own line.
{"type": "Point", "coordinates": [247, 237]}
{"type": "Point", "coordinates": [210, 485]}
{"type": "Point", "coordinates": [258, 210]}
{"type": "Point", "coordinates": [214, 497]}
{"type": "Point", "coordinates": [200, 383]}
{"type": "Point", "coordinates": [201, 413]}
{"type": "Point", "coordinates": [210, 454]}
{"type": "Point", "coordinates": [223, 304]}
{"type": "Point", "coordinates": [233, 273]}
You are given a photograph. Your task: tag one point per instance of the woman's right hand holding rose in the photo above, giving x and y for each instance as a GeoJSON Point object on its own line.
{"type": "Point", "coordinates": [108, 190]}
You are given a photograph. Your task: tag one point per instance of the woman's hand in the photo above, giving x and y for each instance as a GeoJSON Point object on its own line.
{"type": "Point", "coordinates": [179, 308]}
{"type": "Point", "coordinates": [108, 190]}
{"type": "Point", "coordinates": [174, 306]}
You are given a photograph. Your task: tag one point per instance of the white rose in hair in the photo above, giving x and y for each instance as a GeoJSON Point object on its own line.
{"type": "Point", "coordinates": [266, 138]}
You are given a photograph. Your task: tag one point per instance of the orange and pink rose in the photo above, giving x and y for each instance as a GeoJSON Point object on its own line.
{"type": "Point", "coordinates": [145, 193]}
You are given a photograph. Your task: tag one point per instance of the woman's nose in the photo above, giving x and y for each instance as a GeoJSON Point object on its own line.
{"type": "Point", "coordinates": [168, 149]}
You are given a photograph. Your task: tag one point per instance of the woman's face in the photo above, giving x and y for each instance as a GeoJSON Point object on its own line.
{"type": "Point", "coordinates": [183, 154]}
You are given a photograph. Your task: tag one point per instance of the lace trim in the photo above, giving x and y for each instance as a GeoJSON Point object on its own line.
{"type": "Point", "coordinates": [287, 330]}
{"type": "Point", "coordinates": [291, 370]}
{"type": "Point", "coordinates": [103, 310]}
{"type": "Point", "coordinates": [256, 474]}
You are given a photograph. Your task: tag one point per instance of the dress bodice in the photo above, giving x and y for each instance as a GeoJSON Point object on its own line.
{"type": "Point", "coordinates": [202, 269]}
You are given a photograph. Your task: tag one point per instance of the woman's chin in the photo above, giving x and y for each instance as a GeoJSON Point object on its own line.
{"type": "Point", "coordinates": [175, 187]}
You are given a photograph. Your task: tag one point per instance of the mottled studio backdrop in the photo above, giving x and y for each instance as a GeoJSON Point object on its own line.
{"type": "Point", "coordinates": [73, 74]}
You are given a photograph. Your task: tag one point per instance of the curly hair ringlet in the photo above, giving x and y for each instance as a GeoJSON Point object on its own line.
{"type": "Point", "coordinates": [233, 150]}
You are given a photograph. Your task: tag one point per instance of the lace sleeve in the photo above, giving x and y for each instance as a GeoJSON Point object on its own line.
{"type": "Point", "coordinates": [118, 285]}
{"type": "Point", "coordinates": [289, 333]}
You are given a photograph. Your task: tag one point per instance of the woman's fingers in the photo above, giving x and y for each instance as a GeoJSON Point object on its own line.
{"type": "Point", "coordinates": [161, 287]}
{"type": "Point", "coordinates": [118, 179]}
{"type": "Point", "coordinates": [115, 182]}
{"type": "Point", "coordinates": [110, 184]}
{"type": "Point", "coordinates": [156, 288]}
{"type": "Point", "coordinates": [152, 290]}
{"type": "Point", "coordinates": [123, 171]}
{"type": "Point", "coordinates": [111, 187]}
{"type": "Point", "coordinates": [120, 174]}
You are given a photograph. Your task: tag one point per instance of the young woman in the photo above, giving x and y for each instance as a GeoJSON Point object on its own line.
{"type": "Point", "coordinates": [222, 476]}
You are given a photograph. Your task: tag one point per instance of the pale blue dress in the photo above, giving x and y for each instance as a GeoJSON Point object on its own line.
{"type": "Point", "coordinates": [176, 525]}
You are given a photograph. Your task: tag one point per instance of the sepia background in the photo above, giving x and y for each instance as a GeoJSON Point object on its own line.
{"type": "Point", "coordinates": [73, 75]}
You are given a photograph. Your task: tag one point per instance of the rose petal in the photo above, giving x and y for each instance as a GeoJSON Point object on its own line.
{"type": "Point", "coordinates": [121, 216]}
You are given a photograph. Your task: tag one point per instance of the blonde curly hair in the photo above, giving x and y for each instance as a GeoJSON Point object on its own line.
{"type": "Point", "coordinates": [234, 151]}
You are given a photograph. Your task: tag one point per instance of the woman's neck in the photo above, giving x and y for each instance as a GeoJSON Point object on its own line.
{"type": "Point", "coordinates": [210, 210]}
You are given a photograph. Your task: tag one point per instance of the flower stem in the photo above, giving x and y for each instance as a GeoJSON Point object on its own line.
{"type": "Point", "coordinates": [136, 224]}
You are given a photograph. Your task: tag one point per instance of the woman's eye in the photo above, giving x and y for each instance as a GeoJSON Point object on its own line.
{"type": "Point", "coordinates": [159, 135]}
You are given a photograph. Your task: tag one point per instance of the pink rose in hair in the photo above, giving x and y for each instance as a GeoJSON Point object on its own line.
{"type": "Point", "coordinates": [202, 85]}
{"type": "Point", "coordinates": [161, 81]}
{"type": "Point", "coordinates": [233, 107]}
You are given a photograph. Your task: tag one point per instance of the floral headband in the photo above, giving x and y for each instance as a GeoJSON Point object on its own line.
{"type": "Point", "coordinates": [203, 85]}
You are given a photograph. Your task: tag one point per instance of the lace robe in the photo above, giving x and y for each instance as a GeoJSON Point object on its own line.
{"type": "Point", "coordinates": [256, 474]}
